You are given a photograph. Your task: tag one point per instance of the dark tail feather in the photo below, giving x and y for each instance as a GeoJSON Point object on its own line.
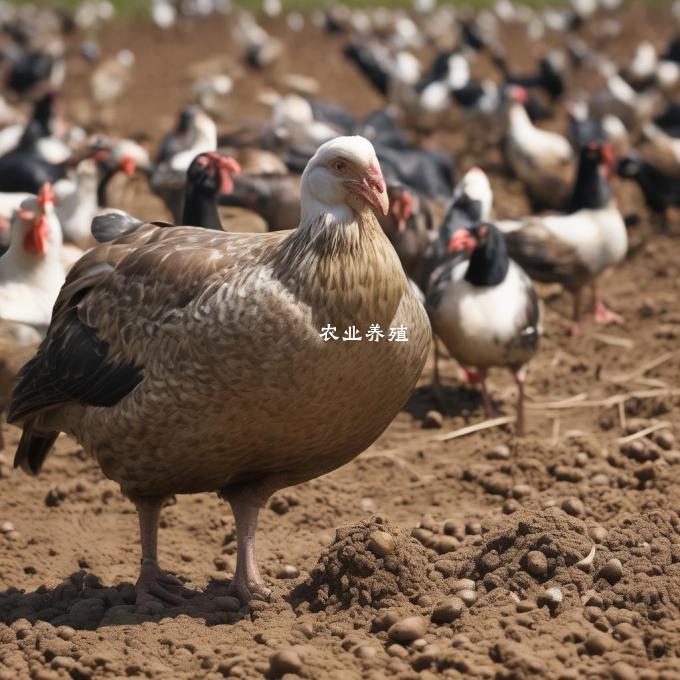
{"type": "Point", "coordinates": [33, 449]}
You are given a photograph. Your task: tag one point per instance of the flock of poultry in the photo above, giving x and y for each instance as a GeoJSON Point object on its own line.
{"type": "Point", "coordinates": [190, 358]}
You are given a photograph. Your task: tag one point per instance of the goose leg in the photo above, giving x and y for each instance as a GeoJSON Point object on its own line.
{"type": "Point", "coordinates": [520, 377]}
{"type": "Point", "coordinates": [153, 582]}
{"type": "Point", "coordinates": [436, 380]}
{"type": "Point", "coordinates": [575, 328]}
{"type": "Point", "coordinates": [247, 582]}
{"type": "Point", "coordinates": [600, 313]}
{"type": "Point", "coordinates": [488, 404]}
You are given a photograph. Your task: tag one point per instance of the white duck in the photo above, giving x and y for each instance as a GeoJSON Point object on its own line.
{"type": "Point", "coordinates": [542, 160]}
{"type": "Point", "coordinates": [31, 271]}
{"type": "Point", "coordinates": [485, 310]}
{"type": "Point", "coordinates": [575, 249]}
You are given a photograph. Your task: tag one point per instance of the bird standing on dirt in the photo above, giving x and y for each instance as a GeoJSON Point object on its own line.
{"type": "Point", "coordinates": [186, 360]}
{"type": "Point", "coordinates": [485, 309]}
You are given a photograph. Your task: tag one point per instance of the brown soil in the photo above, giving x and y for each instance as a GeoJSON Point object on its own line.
{"type": "Point", "coordinates": [481, 538]}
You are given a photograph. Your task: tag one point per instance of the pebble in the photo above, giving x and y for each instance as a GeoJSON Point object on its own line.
{"type": "Point", "coordinates": [521, 491]}
{"type": "Point", "coordinates": [598, 643]}
{"type": "Point", "coordinates": [433, 419]}
{"type": "Point", "coordinates": [381, 543]}
{"type": "Point", "coordinates": [550, 597]}
{"type": "Point", "coordinates": [536, 563]}
{"type": "Point", "coordinates": [473, 528]}
{"type": "Point", "coordinates": [453, 528]}
{"type": "Point", "coordinates": [463, 584]}
{"type": "Point", "coordinates": [284, 661]}
{"type": "Point", "coordinates": [510, 506]}
{"type": "Point", "coordinates": [448, 610]}
{"type": "Point", "coordinates": [409, 629]}
{"type": "Point", "coordinates": [6, 527]}
{"type": "Point", "coordinates": [500, 452]}
{"type": "Point", "coordinates": [397, 650]}
{"type": "Point", "coordinates": [446, 544]}
{"type": "Point", "coordinates": [612, 571]}
{"type": "Point", "coordinates": [574, 507]}
{"type": "Point", "coordinates": [524, 606]}
{"type": "Point", "coordinates": [665, 439]}
{"type": "Point", "coordinates": [288, 571]}
{"type": "Point", "coordinates": [66, 632]}
{"type": "Point", "coordinates": [365, 652]}
{"type": "Point", "coordinates": [623, 671]}
{"type": "Point", "coordinates": [598, 534]}
{"type": "Point", "coordinates": [385, 620]}
{"type": "Point", "coordinates": [469, 597]}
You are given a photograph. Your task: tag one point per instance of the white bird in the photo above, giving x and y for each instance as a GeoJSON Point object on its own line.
{"type": "Point", "coordinates": [542, 160]}
{"type": "Point", "coordinates": [31, 271]}
{"type": "Point", "coordinates": [577, 248]}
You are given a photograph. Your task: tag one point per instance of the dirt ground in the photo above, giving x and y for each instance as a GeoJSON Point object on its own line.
{"type": "Point", "coordinates": [552, 556]}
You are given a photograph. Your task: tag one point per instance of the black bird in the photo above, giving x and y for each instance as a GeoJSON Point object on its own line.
{"type": "Point", "coordinates": [208, 176]}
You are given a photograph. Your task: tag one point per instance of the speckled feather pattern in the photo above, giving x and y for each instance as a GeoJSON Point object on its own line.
{"type": "Point", "coordinates": [238, 385]}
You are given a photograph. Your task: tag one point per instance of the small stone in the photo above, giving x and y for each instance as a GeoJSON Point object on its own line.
{"type": "Point", "coordinates": [433, 420]}
{"type": "Point", "coordinates": [600, 479]}
{"type": "Point", "coordinates": [284, 661]}
{"type": "Point", "coordinates": [550, 597]}
{"type": "Point", "coordinates": [574, 507]}
{"type": "Point", "coordinates": [623, 671]}
{"type": "Point", "coordinates": [66, 632]}
{"type": "Point", "coordinates": [446, 544]}
{"type": "Point", "coordinates": [6, 527]}
{"type": "Point", "coordinates": [473, 528]}
{"type": "Point", "coordinates": [500, 452]}
{"type": "Point", "coordinates": [381, 543]}
{"type": "Point", "coordinates": [524, 606]}
{"type": "Point", "coordinates": [612, 571]}
{"type": "Point", "coordinates": [288, 571]}
{"type": "Point", "coordinates": [598, 644]}
{"type": "Point", "coordinates": [536, 563]}
{"type": "Point", "coordinates": [385, 619]}
{"type": "Point", "coordinates": [453, 528]}
{"type": "Point", "coordinates": [598, 534]}
{"type": "Point", "coordinates": [521, 491]}
{"type": "Point", "coordinates": [409, 629]}
{"type": "Point", "coordinates": [469, 597]}
{"type": "Point", "coordinates": [665, 439]}
{"type": "Point", "coordinates": [510, 506]}
{"type": "Point", "coordinates": [397, 650]}
{"type": "Point", "coordinates": [463, 584]}
{"type": "Point", "coordinates": [448, 610]}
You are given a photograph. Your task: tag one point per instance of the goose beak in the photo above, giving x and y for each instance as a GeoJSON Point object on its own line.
{"type": "Point", "coordinates": [462, 242]}
{"type": "Point", "coordinates": [371, 188]}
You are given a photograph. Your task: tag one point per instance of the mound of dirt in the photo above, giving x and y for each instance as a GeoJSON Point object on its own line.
{"type": "Point", "coordinates": [370, 564]}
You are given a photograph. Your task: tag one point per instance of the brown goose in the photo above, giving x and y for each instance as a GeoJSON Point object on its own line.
{"type": "Point", "coordinates": [186, 360]}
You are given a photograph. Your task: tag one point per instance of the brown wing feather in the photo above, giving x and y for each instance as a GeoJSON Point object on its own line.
{"type": "Point", "coordinates": [544, 257]}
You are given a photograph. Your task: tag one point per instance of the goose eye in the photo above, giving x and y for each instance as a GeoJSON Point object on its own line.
{"type": "Point", "coordinates": [339, 166]}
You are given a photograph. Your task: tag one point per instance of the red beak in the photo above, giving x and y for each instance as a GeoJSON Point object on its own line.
{"type": "Point", "coordinates": [35, 241]}
{"type": "Point", "coordinates": [462, 242]}
{"type": "Point", "coordinates": [46, 195]}
{"type": "Point", "coordinates": [609, 160]}
{"type": "Point", "coordinates": [128, 165]}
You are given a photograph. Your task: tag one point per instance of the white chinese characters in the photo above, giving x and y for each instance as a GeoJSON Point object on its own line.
{"type": "Point", "coordinates": [374, 334]}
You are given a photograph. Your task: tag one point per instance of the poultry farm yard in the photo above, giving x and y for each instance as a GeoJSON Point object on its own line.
{"type": "Point", "coordinates": [481, 503]}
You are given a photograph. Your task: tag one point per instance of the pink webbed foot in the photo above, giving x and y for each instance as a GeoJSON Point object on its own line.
{"type": "Point", "coordinates": [606, 316]}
